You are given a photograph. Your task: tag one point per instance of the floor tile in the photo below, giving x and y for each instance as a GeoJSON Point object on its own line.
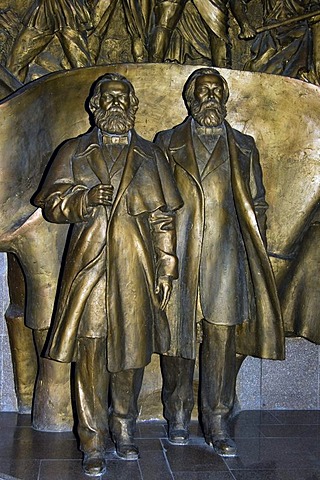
{"type": "Point", "coordinates": [154, 466]}
{"type": "Point", "coordinates": [302, 417]}
{"type": "Point", "coordinates": [272, 445]}
{"type": "Point", "coordinates": [10, 419]}
{"type": "Point", "coordinates": [275, 453]}
{"type": "Point", "coordinates": [298, 431]}
{"type": "Point", "coordinates": [147, 445]}
{"type": "Point", "coordinates": [26, 469]}
{"type": "Point", "coordinates": [72, 470]}
{"type": "Point", "coordinates": [296, 474]}
{"type": "Point", "coordinates": [203, 476]}
{"type": "Point", "coordinates": [24, 443]}
{"type": "Point", "coordinates": [255, 417]}
{"type": "Point", "coordinates": [193, 457]}
{"type": "Point", "coordinates": [151, 430]}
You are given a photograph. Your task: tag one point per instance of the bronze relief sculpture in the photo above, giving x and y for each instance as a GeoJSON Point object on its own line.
{"type": "Point", "coordinates": [68, 21]}
{"type": "Point", "coordinates": [225, 278]}
{"type": "Point", "coordinates": [284, 44]}
{"type": "Point", "coordinates": [200, 19]}
{"type": "Point", "coordinates": [193, 25]}
{"type": "Point", "coordinates": [118, 192]}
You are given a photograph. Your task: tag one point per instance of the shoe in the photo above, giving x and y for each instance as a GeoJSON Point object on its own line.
{"type": "Point", "coordinates": [223, 446]}
{"type": "Point", "coordinates": [94, 464]}
{"type": "Point", "coordinates": [126, 449]}
{"type": "Point", "coordinates": [178, 434]}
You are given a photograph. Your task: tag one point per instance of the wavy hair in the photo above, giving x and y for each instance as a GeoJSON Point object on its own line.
{"type": "Point", "coordinates": [108, 77]}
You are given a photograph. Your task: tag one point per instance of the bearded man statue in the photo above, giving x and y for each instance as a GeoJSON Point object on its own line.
{"type": "Point", "coordinates": [118, 191]}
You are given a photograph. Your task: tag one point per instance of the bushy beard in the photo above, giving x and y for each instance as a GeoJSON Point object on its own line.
{"type": "Point", "coordinates": [115, 120]}
{"type": "Point", "coordinates": [210, 113]}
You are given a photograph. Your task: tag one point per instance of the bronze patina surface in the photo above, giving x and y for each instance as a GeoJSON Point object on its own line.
{"type": "Point", "coordinates": [283, 117]}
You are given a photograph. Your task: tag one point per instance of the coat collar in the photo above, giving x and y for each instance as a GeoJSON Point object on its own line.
{"type": "Point", "coordinates": [136, 155]}
{"type": "Point", "coordinates": [181, 148]}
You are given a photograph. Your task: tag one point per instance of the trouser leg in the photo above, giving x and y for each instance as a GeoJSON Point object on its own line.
{"type": "Point", "coordinates": [75, 47]}
{"type": "Point", "coordinates": [177, 390]}
{"type": "Point", "coordinates": [27, 46]}
{"type": "Point", "coordinates": [167, 14]}
{"type": "Point", "coordinates": [125, 389]}
{"type": "Point", "coordinates": [218, 377]}
{"type": "Point", "coordinates": [22, 347]}
{"type": "Point", "coordinates": [52, 410]}
{"type": "Point", "coordinates": [316, 48]}
{"type": "Point", "coordinates": [219, 51]}
{"type": "Point", "coordinates": [91, 393]}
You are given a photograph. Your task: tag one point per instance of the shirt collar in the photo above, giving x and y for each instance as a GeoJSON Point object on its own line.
{"type": "Point", "coordinates": [114, 139]}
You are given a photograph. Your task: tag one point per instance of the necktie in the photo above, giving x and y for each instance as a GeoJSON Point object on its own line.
{"type": "Point", "coordinates": [115, 139]}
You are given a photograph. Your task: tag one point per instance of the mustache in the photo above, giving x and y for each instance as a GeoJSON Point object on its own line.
{"type": "Point", "coordinates": [115, 109]}
{"type": "Point", "coordinates": [209, 112]}
{"type": "Point", "coordinates": [206, 105]}
{"type": "Point", "coordinates": [114, 120]}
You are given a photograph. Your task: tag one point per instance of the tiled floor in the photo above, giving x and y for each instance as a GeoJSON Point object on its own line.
{"type": "Point", "coordinates": [272, 445]}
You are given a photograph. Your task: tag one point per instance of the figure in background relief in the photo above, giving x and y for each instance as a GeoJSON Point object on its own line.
{"type": "Point", "coordinates": [67, 20]}
{"type": "Point", "coordinates": [137, 16]}
{"type": "Point", "coordinates": [9, 28]}
{"type": "Point", "coordinates": [118, 192]}
{"type": "Point", "coordinates": [200, 23]}
{"type": "Point", "coordinates": [287, 49]}
{"type": "Point", "coordinates": [226, 285]}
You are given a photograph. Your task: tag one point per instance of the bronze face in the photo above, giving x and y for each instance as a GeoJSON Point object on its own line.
{"type": "Point", "coordinates": [208, 105]}
{"type": "Point", "coordinates": [115, 114]}
{"type": "Point", "coordinates": [115, 96]}
{"type": "Point", "coordinates": [208, 87]}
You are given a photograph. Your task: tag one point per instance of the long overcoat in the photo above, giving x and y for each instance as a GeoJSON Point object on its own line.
{"type": "Point", "coordinates": [261, 334]}
{"type": "Point", "coordinates": [300, 286]}
{"type": "Point", "coordinates": [132, 244]}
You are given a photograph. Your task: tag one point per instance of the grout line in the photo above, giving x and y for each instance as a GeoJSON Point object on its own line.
{"type": "Point", "coordinates": [166, 459]}
{"type": "Point", "coordinates": [140, 471]}
{"type": "Point", "coordinates": [39, 471]}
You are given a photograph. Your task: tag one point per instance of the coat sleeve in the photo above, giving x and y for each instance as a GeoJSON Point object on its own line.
{"type": "Point", "coordinates": [162, 224]}
{"type": "Point", "coordinates": [162, 141]}
{"type": "Point", "coordinates": [61, 198]}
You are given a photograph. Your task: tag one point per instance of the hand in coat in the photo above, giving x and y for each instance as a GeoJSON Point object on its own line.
{"type": "Point", "coordinates": [100, 195]}
{"type": "Point", "coordinates": [164, 288]}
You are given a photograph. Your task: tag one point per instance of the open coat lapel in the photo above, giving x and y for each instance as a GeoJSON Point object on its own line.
{"type": "Point", "coordinates": [134, 159]}
{"type": "Point", "coordinates": [182, 151]}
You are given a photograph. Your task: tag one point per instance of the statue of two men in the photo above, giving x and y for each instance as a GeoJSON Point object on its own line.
{"type": "Point", "coordinates": [123, 198]}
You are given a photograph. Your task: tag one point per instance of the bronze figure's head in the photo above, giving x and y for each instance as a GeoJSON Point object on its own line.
{"type": "Point", "coordinates": [206, 93]}
{"type": "Point", "coordinates": [114, 104]}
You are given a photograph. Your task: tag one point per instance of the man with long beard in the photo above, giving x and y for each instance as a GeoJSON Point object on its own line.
{"type": "Point", "coordinates": [226, 291]}
{"type": "Point", "coordinates": [118, 192]}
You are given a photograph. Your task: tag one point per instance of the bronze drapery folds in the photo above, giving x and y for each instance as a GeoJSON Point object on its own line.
{"type": "Point", "coordinates": [272, 36]}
